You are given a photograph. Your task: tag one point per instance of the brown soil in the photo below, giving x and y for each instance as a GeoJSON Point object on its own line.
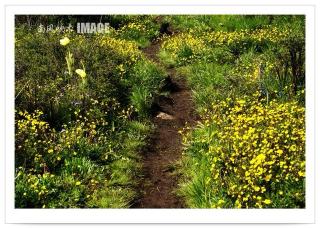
{"type": "Point", "coordinates": [160, 181]}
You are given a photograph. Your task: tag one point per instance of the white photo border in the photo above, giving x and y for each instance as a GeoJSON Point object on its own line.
{"type": "Point", "coordinates": [307, 215]}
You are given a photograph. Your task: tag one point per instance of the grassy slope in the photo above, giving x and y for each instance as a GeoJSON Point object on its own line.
{"type": "Point", "coordinates": [82, 149]}
{"type": "Point", "coordinates": [219, 75]}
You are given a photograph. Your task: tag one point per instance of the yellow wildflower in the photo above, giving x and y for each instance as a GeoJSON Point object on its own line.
{"type": "Point", "coordinates": [64, 41]}
{"type": "Point", "coordinates": [81, 73]}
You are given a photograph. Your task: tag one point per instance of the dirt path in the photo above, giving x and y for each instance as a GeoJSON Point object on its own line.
{"type": "Point", "coordinates": [164, 149]}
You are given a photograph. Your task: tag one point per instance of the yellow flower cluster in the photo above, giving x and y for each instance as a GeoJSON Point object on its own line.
{"type": "Point", "coordinates": [184, 47]}
{"type": "Point", "coordinates": [127, 50]}
{"type": "Point", "coordinates": [267, 33]}
{"type": "Point", "coordinates": [254, 70]}
{"type": "Point", "coordinates": [57, 145]}
{"type": "Point", "coordinates": [133, 26]}
{"type": "Point", "coordinates": [270, 33]}
{"type": "Point", "coordinates": [31, 123]}
{"type": "Point", "coordinates": [38, 184]}
{"type": "Point", "coordinates": [256, 150]}
{"type": "Point", "coordinates": [199, 45]}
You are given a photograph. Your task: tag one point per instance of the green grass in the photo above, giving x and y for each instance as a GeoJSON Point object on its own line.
{"type": "Point", "coordinates": [83, 149]}
{"type": "Point", "coordinates": [167, 59]}
{"type": "Point", "coordinates": [229, 73]}
{"type": "Point", "coordinates": [209, 83]}
{"type": "Point", "coordinates": [217, 22]}
{"type": "Point", "coordinates": [78, 140]}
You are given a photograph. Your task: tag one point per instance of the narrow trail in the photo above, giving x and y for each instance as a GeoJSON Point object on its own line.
{"type": "Point", "coordinates": [171, 113]}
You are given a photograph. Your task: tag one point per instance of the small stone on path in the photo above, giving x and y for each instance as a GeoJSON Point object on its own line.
{"type": "Point", "coordinates": [165, 116]}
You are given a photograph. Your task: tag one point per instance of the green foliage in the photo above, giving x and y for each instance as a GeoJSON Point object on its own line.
{"type": "Point", "coordinates": [145, 80]}
{"type": "Point", "coordinates": [244, 58]}
{"type": "Point", "coordinates": [208, 81]}
{"type": "Point", "coordinates": [81, 149]}
{"type": "Point", "coordinates": [83, 107]}
{"type": "Point", "coordinates": [142, 30]}
{"type": "Point", "coordinates": [217, 22]}
{"type": "Point", "coordinates": [235, 139]}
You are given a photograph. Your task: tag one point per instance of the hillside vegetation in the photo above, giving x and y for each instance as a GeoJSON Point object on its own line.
{"type": "Point", "coordinates": [84, 110]}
